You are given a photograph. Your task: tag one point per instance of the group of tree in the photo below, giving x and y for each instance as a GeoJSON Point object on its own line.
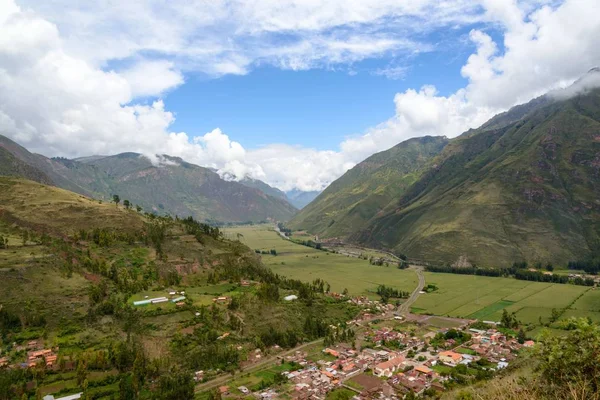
{"type": "Point", "coordinates": [387, 293]}
{"type": "Point", "coordinates": [517, 270]}
{"type": "Point", "coordinates": [196, 228]}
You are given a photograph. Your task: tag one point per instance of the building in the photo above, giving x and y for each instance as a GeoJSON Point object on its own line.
{"type": "Point", "coordinates": [71, 397]}
{"type": "Point", "coordinates": [388, 368]}
{"type": "Point", "coordinates": [290, 297]}
{"type": "Point", "coordinates": [450, 357]}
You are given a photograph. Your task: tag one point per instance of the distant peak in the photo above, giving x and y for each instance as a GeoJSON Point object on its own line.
{"type": "Point", "coordinates": [594, 70]}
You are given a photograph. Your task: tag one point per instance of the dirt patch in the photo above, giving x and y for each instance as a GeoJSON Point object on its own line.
{"type": "Point", "coordinates": [368, 382]}
{"type": "Point", "coordinates": [92, 277]}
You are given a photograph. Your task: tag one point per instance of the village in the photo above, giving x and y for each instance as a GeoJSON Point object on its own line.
{"type": "Point", "coordinates": [393, 357]}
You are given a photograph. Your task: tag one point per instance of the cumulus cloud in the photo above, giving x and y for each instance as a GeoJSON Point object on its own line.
{"type": "Point", "coordinates": [59, 97]}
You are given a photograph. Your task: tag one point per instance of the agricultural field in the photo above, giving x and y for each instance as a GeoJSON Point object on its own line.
{"type": "Point", "coordinates": [305, 263]}
{"type": "Point", "coordinates": [485, 298]}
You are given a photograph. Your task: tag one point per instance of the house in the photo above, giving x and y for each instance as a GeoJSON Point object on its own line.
{"type": "Point", "coordinates": [71, 397]}
{"type": "Point", "coordinates": [450, 357]}
{"type": "Point", "coordinates": [424, 370]}
{"type": "Point", "coordinates": [244, 389]}
{"type": "Point", "coordinates": [3, 361]}
{"type": "Point", "coordinates": [388, 368]}
{"type": "Point", "coordinates": [221, 299]}
{"type": "Point", "coordinates": [223, 390]}
{"type": "Point", "coordinates": [290, 297]}
{"type": "Point", "coordinates": [528, 343]}
{"type": "Point", "coordinates": [331, 352]}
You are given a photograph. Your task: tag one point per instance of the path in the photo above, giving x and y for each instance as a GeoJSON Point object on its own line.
{"type": "Point", "coordinates": [405, 307]}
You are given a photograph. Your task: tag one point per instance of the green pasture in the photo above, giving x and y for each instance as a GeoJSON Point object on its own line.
{"type": "Point", "coordinates": [485, 298]}
{"type": "Point", "coordinates": [305, 263]}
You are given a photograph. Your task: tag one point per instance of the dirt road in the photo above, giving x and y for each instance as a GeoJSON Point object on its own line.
{"type": "Point", "coordinates": [267, 362]}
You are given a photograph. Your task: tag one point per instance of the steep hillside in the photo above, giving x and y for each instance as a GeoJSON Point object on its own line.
{"type": "Point", "coordinates": [363, 191]}
{"type": "Point", "coordinates": [182, 188]}
{"type": "Point", "coordinates": [525, 186]}
{"type": "Point", "coordinates": [263, 187]}
{"type": "Point", "coordinates": [51, 209]}
{"type": "Point", "coordinates": [174, 186]}
{"type": "Point", "coordinates": [77, 276]}
{"type": "Point", "coordinates": [301, 199]}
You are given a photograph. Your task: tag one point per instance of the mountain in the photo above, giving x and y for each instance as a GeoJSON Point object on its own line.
{"type": "Point", "coordinates": [301, 199]}
{"type": "Point", "coordinates": [524, 186]}
{"type": "Point", "coordinates": [263, 187]}
{"type": "Point", "coordinates": [172, 186]}
{"type": "Point", "coordinates": [363, 191]}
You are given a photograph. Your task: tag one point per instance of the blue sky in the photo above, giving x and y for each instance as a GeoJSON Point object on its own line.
{"type": "Point", "coordinates": [292, 92]}
{"type": "Point", "coordinates": [316, 108]}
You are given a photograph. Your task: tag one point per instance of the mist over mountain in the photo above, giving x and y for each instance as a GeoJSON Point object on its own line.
{"type": "Point", "coordinates": [523, 186]}
{"type": "Point", "coordinates": [170, 185]}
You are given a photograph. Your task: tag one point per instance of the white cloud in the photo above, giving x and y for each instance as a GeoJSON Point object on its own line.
{"type": "Point", "coordinates": [152, 78]}
{"type": "Point", "coordinates": [59, 97]}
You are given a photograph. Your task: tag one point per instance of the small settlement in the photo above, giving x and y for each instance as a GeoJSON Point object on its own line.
{"type": "Point", "coordinates": [391, 357]}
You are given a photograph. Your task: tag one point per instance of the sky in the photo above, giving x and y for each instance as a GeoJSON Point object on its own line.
{"type": "Point", "coordinates": [292, 92]}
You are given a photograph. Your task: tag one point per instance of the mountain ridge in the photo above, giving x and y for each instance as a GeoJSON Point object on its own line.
{"type": "Point", "coordinates": [173, 186]}
{"type": "Point", "coordinates": [522, 187]}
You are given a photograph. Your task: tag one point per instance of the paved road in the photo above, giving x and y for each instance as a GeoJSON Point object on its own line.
{"type": "Point", "coordinates": [405, 307]}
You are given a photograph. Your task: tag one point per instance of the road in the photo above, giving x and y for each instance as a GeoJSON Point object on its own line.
{"type": "Point", "coordinates": [281, 233]}
{"type": "Point", "coordinates": [267, 362]}
{"type": "Point", "coordinates": [405, 307]}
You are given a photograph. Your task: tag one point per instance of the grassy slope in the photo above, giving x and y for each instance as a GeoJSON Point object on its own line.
{"type": "Point", "coordinates": [527, 191]}
{"type": "Point", "coordinates": [366, 189]}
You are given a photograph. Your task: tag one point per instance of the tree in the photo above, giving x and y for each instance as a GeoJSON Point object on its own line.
{"type": "Point", "coordinates": [116, 199]}
{"type": "Point", "coordinates": [569, 365]}
{"type": "Point", "coordinates": [345, 292]}
{"type": "Point", "coordinates": [25, 237]}
{"type": "Point", "coordinates": [126, 389]}
{"type": "Point", "coordinates": [126, 203]}
{"type": "Point", "coordinates": [81, 373]}
{"type": "Point", "coordinates": [176, 385]}
{"type": "Point", "coordinates": [138, 208]}
{"type": "Point", "coordinates": [521, 336]}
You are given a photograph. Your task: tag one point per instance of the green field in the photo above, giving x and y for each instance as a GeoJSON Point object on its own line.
{"type": "Point", "coordinates": [305, 263]}
{"type": "Point", "coordinates": [480, 297]}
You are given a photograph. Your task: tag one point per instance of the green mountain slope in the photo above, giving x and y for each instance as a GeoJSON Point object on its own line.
{"type": "Point", "coordinates": [173, 186]}
{"type": "Point", "coordinates": [524, 186]}
{"type": "Point", "coordinates": [366, 189]}
{"type": "Point", "coordinates": [263, 187]}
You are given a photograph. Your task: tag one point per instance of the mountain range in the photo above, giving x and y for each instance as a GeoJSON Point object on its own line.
{"type": "Point", "coordinates": [525, 186]}
{"type": "Point", "coordinates": [169, 186]}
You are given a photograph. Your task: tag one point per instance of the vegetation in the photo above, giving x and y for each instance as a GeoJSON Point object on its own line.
{"type": "Point", "coordinates": [518, 188]}
{"type": "Point", "coordinates": [82, 263]}
{"type": "Point", "coordinates": [305, 263]}
{"type": "Point", "coordinates": [360, 193]}
{"type": "Point", "coordinates": [172, 186]}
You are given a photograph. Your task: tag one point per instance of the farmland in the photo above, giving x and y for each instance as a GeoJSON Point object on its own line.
{"type": "Point", "coordinates": [305, 263]}
{"type": "Point", "coordinates": [480, 297]}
